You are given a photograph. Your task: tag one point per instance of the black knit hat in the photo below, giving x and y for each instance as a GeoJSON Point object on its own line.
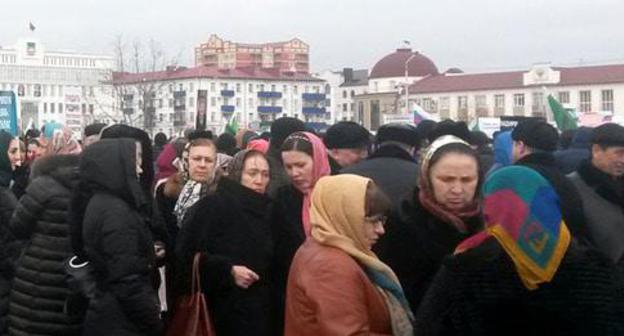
{"type": "Point", "coordinates": [608, 135]}
{"type": "Point", "coordinates": [282, 128]}
{"type": "Point", "coordinates": [403, 133]}
{"type": "Point", "coordinates": [347, 134]}
{"type": "Point", "coordinates": [450, 127]}
{"type": "Point", "coordinates": [536, 134]}
{"type": "Point", "coordinates": [93, 129]}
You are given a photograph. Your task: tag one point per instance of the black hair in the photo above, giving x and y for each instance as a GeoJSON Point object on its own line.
{"type": "Point", "coordinates": [298, 141]}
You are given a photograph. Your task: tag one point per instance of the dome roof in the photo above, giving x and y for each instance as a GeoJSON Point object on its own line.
{"type": "Point", "coordinates": [393, 65]}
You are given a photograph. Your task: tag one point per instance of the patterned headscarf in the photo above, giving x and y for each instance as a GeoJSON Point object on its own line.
{"type": "Point", "coordinates": [337, 216]}
{"type": "Point", "coordinates": [63, 141]}
{"type": "Point", "coordinates": [426, 193]}
{"type": "Point", "coordinates": [522, 213]}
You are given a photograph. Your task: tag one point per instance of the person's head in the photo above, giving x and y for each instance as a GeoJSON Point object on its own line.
{"type": "Point", "coordinates": [503, 149]}
{"type": "Point", "coordinates": [14, 153]}
{"type": "Point", "coordinates": [196, 134]}
{"type": "Point", "coordinates": [347, 142]}
{"type": "Point", "coordinates": [34, 150]}
{"type": "Point", "coordinates": [63, 142]}
{"type": "Point", "coordinates": [305, 160]}
{"type": "Point", "coordinates": [251, 169]}
{"type": "Point", "coordinates": [450, 173]}
{"type": "Point", "coordinates": [608, 149]}
{"type": "Point", "coordinates": [282, 128]}
{"type": "Point", "coordinates": [92, 133]}
{"type": "Point", "coordinates": [402, 135]}
{"type": "Point", "coordinates": [202, 158]}
{"type": "Point", "coordinates": [479, 140]}
{"type": "Point", "coordinates": [458, 129]}
{"type": "Point", "coordinates": [160, 139]}
{"type": "Point", "coordinates": [226, 144]}
{"type": "Point", "coordinates": [349, 207]}
{"type": "Point", "coordinates": [532, 136]}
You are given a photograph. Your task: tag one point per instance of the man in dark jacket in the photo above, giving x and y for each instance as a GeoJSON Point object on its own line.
{"type": "Point", "coordinates": [601, 186]}
{"type": "Point", "coordinates": [534, 142]}
{"type": "Point", "coordinates": [347, 144]}
{"type": "Point", "coordinates": [569, 159]}
{"type": "Point", "coordinates": [392, 165]}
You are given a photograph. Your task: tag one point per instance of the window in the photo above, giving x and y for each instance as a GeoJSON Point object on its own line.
{"type": "Point", "coordinates": [60, 107]}
{"type": "Point", "coordinates": [52, 106]}
{"type": "Point", "coordinates": [170, 102]}
{"type": "Point", "coordinates": [445, 103]}
{"type": "Point", "coordinates": [519, 100]}
{"type": "Point", "coordinates": [250, 88]}
{"type": "Point", "coordinates": [344, 107]}
{"type": "Point", "coordinates": [352, 93]}
{"type": "Point", "coordinates": [45, 107]}
{"type": "Point", "coordinates": [273, 87]}
{"type": "Point", "coordinates": [250, 102]}
{"type": "Point", "coordinates": [91, 108]}
{"type": "Point", "coordinates": [585, 101]}
{"type": "Point", "coordinates": [462, 102]}
{"type": "Point", "coordinates": [212, 87]}
{"type": "Point", "coordinates": [191, 101]}
{"type": "Point", "coordinates": [238, 87]}
{"type": "Point", "coordinates": [285, 89]}
{"type": "Point", "coordinates": [344, 94]}
{"type": "Point", "coordinates": [352, 107]}
{"type": "Point", "coordinates": [564, 97]}
{"type": "Point", "coordinates": [499, 101]}
{"type": "Point", "coordinates": [238, 102]}
{"type": "Point", "coordinates": [213, 102]}
{"type": "Point", "coordinates": [181, 87]}
{"type": "Point", "coordinates": [295, 89]}
{"type": "Point", "coordinates": [191, 87]}
{"type": "Point", "coordinates": [480, 101]}
{"type": "Point", "coordinates": [160, 103]}
{"type": "Point", "coordinates": [607, 100]}
{"type": "Point", "coordinates": [170, 88]}
{"type": "Point", "coordinates": [37, 92]}
{"type": "Point", "coordinates": [160, 117]}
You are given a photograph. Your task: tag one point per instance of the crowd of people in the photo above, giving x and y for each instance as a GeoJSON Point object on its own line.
{"type": "Point", "coordinates": [426, 230]}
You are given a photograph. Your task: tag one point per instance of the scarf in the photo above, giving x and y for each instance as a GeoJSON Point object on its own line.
{"type": "Point", "coordinates": [522, 213]}
{"type": "Point", "coordinates": [425, 194]}
{"type": "Point", "coordinates": [236, 165]}
{"type": "Point", "coordinates": [337, 216]}
{"type": "Point", "coordinates": [63, 142]}
{"type": "Point", "coordinates": [320, 169]}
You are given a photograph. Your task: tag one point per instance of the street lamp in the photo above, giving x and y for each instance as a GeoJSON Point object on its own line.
{"type": "Point", "coordinates": [407, 84]}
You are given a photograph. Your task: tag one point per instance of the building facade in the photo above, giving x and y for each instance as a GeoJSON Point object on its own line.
{"type": "Point", "coordinates": [587, 89]}
{"type": "Point", "coordinates": [287, 56]}
{"type": "Point", "coordinates": [57, 86]}
{"type": "Point", "coordinates": [176, 99]}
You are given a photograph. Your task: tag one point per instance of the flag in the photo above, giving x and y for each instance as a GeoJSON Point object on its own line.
{"type": "Point", "coordinates": [31, 26]}
{"type": "Point", "coordinates": [563, 117]}
{"type": "Point", "coordinates": [420, 114]}
{"type": "Point", "coordinates": [232, 126]}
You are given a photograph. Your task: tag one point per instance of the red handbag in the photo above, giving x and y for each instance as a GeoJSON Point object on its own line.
{"type": "Point", "coordinates": [191, 317]}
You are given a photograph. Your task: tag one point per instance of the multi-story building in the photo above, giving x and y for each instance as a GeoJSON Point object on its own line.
{"type": "Point", "coordinates": [173, 100]}
{"type": "Point", "coordinates": [587, 89]}
{"type": "Point", "coordinates": [341, 88]}
{"type": "Point", "coordinates": [288, 56]}
{"type": "Point", "coordinates": [57, 86]}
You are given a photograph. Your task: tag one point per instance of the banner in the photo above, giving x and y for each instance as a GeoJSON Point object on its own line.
{"type": "Point", "coordinates": [200, 116]}
{"type": "Point", "coordinates": [8, 112]}
{"type": "Point", "coordinates": [73, 112]}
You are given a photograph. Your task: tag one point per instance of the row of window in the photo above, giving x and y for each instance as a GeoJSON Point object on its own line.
{"type": "Point", "coordinates": [39, 90]}
{"type": "Point", "coordinates": [52, 75]}
{"type": "Point", "coordinates": [59, 107]}
{"type": "Point", "coordinates": [69, 61]}
{"type": "Point", "coordinates": [250, 88]}
{"type": "Point", "coordinates": [10, 59]}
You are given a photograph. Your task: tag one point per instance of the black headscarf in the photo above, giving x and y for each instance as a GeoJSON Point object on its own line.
{"type": "Point", "coordinates": [6, 172]}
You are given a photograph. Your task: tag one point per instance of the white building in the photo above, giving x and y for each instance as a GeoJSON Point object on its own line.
{"type": "Point", "coordinates": [252, 97]}
{"type": "Point", "coordinates": [57, 86]}
{"type": "Point", "coordinates": [459, 96]}
{"type": "Point", "coordinates": [340, 88]}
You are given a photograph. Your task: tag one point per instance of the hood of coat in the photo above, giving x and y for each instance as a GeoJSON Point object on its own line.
{"type": "Point", "coordinates": [582, 139]}
{"type": "Point", "coordinates": [109, 165]}
{"type": "Point", "coordinates": [6, 172]}
{"type": "Point", "coordinates": [63, 168]}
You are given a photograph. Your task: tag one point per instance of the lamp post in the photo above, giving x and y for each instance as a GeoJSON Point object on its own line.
{"type": "Point", "coordinates": [407, 84]}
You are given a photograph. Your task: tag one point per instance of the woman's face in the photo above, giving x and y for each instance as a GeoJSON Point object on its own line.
{"type": "Point", "coordinates": [255, 174]}
{"type": "Point", "coordinates": [454, 180]}
{"type": "Point", "coordinates": [14, 153]}
{"type": "Point", "coordinates": [202, 160]}
{"type": "Point", "coordinates": [139, 159]}
{"type": "Point", "coordinates": [299, 166]}
{"type": "Point", "coordinates": [373, 229]}
{"type": "Point", "coordinates": [33, 150]}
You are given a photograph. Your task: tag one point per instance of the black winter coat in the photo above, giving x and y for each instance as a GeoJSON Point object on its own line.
{"type": "Point", "coordinates": [480, 293]}
{"type": "Point", "coordinates": [8, 202]}
{"type": "Point", "coordinates": [40, 219]}
{"type": "Point", "coordinates": [416, 242]}
{"type": "Point", "coordinates": [392, 169]}
{"type": "Point", "coordinates": [118, 242]}
{"type": "Point", "coordinates": [568, 160]}
{"type": "Point", "coordinates": [230, 228]}
{"type": "Point", "coordinates": [288, 235]}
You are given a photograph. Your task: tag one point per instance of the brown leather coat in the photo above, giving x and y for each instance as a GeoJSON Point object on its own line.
{"type": "Point", "coordinates": [329, 294]}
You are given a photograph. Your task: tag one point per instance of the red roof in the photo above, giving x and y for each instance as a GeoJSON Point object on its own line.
{"type": "Point", "coordinates": [393, 65]}
{"type": "Point", "coordinates": [212, 72]}
{"type": "Point", "coordinates": [601, 74]}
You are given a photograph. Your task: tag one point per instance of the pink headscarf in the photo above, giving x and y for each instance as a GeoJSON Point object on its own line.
{"type": "Point", "coordinates": [259, 145]}
{"type": "Point", "coordinates": [165, 162]}
{"type": "Point", "coordinates": [320, 169]}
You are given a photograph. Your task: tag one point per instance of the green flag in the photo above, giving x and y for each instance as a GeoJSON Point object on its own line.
{"type": "Point", "coordinates": [232, 126]}
{"type": "Point", "coordinates": [563, 117]}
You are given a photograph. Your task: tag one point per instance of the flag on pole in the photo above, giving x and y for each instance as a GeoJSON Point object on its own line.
{"type": "Point", "coordinates": [232, 126]}
{"type": "Point", "coordinates": [420, 114]}
{"type": "Point", "coordinates": [564, 118]}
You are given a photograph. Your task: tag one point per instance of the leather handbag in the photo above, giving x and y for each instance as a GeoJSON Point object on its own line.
{"type": "Point", "coordinates": [191, 316]}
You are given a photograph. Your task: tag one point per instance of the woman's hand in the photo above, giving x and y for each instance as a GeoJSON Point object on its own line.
{"type": "Point", "coordinates": [243, 276]}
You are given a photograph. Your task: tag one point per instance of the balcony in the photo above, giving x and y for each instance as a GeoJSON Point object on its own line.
{"type": "Point", "coordinates": [313, 96]}
{"type": "Point", "coordinates": [269, 94]}
{"type": "Point", "coordinates": [269, 109]}
{"type": "Point", "coordinates": [227, 93]}
{"type": "Point", "coordinates": [227, 108]}
{"type": "Point", "coordinates": [314, 110]}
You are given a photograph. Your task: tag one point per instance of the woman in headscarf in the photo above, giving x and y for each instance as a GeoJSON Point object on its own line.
{"type": "Point", "coordinates": [230, 228]}
{"type": "Point", "coordinates": [524, 274]}
{"type": "Point", "coordinates": [443, 211]}
{"type": "Point", "coordinates": [40, 221]}
{"type": "Point", "coordinates": [337, 285]}
{"type": "Point", "coordinates": [109, 219]}
{"type": "Point", "coordinates": [305, 161]}
{"type": "Point", "coordinates": [10, 159]}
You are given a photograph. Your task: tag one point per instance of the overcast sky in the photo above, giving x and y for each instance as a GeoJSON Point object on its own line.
{"type": "Point", "coordinates": [475, 35]}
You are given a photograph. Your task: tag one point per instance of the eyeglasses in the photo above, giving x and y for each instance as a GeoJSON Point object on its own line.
{"type": "Point", "coordinates": [381, 219]}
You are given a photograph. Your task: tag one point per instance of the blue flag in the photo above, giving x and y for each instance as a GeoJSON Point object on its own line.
{"type": "Point", "coordinates": [8, 112]}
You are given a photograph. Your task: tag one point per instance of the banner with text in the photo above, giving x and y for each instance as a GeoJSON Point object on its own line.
{"type": "Point", "coordinates": [8, 112]}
